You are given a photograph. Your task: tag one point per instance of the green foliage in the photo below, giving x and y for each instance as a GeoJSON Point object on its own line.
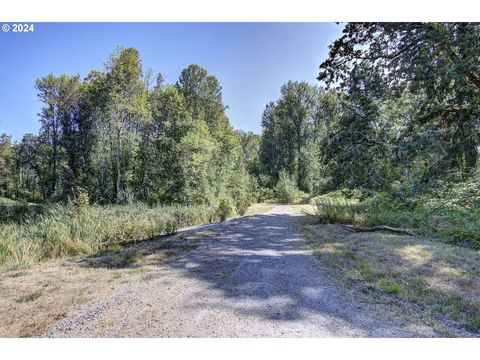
{"type": "Point", "coordinates": [62, 230]}
{"type": "Point", "coordinates": [445, 218]}
{"type": "Point", "coordinates": [290, 127]}
{"type": "Point", "coordinates": [123, 142]}
{"type": "Point", "coordinates": [389, 286]}
{"type": "Point", "coordinates": [286, 190]}
{"type": "Point", "coordinates": [226, 208]}
{"type": "Point", "coordinates": [20, 212]}
{"type": "Point", "coordinates": [336, 211]}
{"type": "Point", "coordinates": [433, 62]}
{"type": "Point", "coordinates": [81, 199]}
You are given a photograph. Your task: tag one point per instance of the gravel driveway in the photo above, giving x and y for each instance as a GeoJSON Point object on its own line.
{"type": "Point", "coordinates": [253, 277]}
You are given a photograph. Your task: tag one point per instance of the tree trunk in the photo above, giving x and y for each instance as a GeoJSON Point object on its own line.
{"type": "Point", "coordinates": [55, 153]}
{"type": "Point", "coordinates": [118, 164]}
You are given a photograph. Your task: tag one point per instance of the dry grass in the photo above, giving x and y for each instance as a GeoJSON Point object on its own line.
{"type": "Point", "coordinates": [259, 208]}
{"type": "Point", "coordinates": [40, 296]}
{"type": "Point", "coordinates": [443, 279]}
{"type": "Point", "coordinates": [304, 208]}
{"type": "Point", "coordinates": [34, 298]}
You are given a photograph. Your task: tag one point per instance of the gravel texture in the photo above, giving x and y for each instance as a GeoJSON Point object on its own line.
{"type": "Point", "coordinates": [253, 277]}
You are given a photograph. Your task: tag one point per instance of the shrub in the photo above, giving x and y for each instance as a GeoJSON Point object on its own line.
{"type": "Point", "coordinates": [242, 202]}
{"type": "Point", "coordinates": [225, 208]}
{"type": "Point", "coordinates": [333, 211]}
{"type": "Point", "coordinates": [285, 189]}
{"type": "Point", "coordinates": [80, 198]}
{"type": "Point", "coordinates": [126, 196]}
{"type": "Point", "coordinates": [20, 213]}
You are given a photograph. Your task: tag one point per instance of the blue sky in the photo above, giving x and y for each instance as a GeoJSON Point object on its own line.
{"type": "Point", "coordinates": [251, 60]}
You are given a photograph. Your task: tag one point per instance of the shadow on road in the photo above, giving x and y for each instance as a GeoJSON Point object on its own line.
{"type": "Point", "coordinates": [256, 268]}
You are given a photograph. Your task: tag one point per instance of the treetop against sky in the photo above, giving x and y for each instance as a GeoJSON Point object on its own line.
{"type": "Point", "coordinates": [251, 60]}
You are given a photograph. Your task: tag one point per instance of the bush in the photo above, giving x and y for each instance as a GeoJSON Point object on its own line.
{"type": "Point", "coordinates": [335, 211]}
{"type": "Point", "coordinates": [242, 202]}
{"type": "Point", "coordinates": [225, 208]}
{"type": "Point", "coordinates": [80, 198]}
{"type": "Point", "coordinates": [265, 194]}
{"type": "Point", "coordinates": [126, 196]}
{"type": "Point", "coordinates": [20, 213]}
{"type": "Point", "coordinates": [285, 189]}
{"type": "Point", "coordinates": [423, 214]}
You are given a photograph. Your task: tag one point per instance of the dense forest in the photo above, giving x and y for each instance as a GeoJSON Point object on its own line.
{"type": "Point", "coordinates": [393, 124]}
{"type": "Point", "coordinates": [117, 138]}
{"type": "Point", "coordinates": [402, 111]}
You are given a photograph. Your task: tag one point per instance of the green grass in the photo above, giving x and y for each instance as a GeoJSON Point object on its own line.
{"type": "Point", "coordinates": [439, 218]}
{"type": "Point", "coordinates": [66, 230]}
{"type": "Point", "coordinates": [19, 212]}
{"type": "Point", "coordinates": [389, 287]}
{"type": "Point", "coordinates": [443, 279]}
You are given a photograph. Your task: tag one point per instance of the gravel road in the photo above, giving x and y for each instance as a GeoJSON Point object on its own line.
{"type": "Point", "coordinates": [254, 277]}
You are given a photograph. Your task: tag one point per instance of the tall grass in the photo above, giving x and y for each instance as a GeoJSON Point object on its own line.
{"type": "Point", "coordinates": [334, 211]}
{"type": "Point", "coordinates": [64, 230]}
{"type": "Point", "coordinates": [426, 216]}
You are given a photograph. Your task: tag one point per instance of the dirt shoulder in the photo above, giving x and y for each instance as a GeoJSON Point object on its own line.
{"type": "Point", "coordinates": [34, 299]}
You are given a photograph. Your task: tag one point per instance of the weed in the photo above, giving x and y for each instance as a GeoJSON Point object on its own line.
{"type": "Point", "coordinates": [17, 274]}
{"type": "Point", "coordinates": [474, 323]}
{"type": "Point", "coordinates": [29, 297]}
{"type": "Point", "coordinates": [389, 287]}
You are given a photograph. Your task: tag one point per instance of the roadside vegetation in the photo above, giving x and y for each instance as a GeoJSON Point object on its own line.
{"type": "Point", "coordinates": [453, 217]}
{"type": "Point", "coordinates": [64, 230]}
{"type": "Point", "coordinates": [390, 137]}
{"type": "Point", "coordinates": [442, 280]}
{"type": "Point", "coordinates": [35, 298]}
{"type": "Point", "coordinates": [68, 230]}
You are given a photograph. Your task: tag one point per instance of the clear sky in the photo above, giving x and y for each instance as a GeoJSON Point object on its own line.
{"type": "Point", "coordinates": [251, 60]}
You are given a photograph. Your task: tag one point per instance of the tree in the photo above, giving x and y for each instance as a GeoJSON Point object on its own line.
{"type": "Point", "coordinates": [126, 104]}
{"type": "Point", "coordinates": [439, 60]}
{"type": "Point", "coordinates": [6, 158]}
{"type": "Point", "coordinates": [48, 89]}
{"type": "Point", "coordinates": [203, 95]}
{"type": "Point", "coordinates": [118, 139]}
{"type": "Point", "coordinates": [354, 148]}
{"type": "Point", "coordinates": [250, 144]}
{"type": "Point", "coordinates": [28, 168]}
{"type": "Point", "coordinates": [288, 135]}
{"type": "Point", "coordinates": [163, 177]}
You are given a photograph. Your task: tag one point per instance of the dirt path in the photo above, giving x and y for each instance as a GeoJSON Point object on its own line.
{"type": "Point", "coordinates": [252, 277]}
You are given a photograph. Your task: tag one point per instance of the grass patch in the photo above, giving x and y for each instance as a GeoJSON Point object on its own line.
{"type": "Point", "coordinates": [474, 323]}
{"type": "Point", "coordinates": [389, 287]}
{"type": "Point", "coordinates": [425, 215]}
{"type": "Point", "coordinates": [443, 279]}
{"type": "Point", "coordinates": [28, 297]}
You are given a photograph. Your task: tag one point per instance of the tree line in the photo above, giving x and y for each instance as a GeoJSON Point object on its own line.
{"type": "Point", "coordinates": [399, 109]}
{"type": "Point", "coordinates": [120, 135]}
